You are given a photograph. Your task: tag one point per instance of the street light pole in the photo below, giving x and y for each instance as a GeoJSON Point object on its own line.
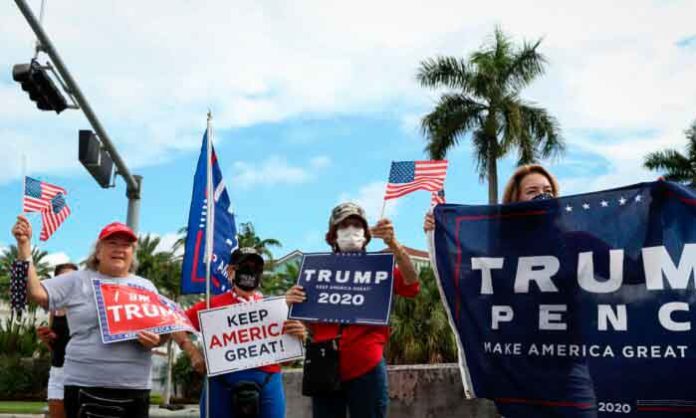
{"type": "Point", "coordinates": [132, 182]}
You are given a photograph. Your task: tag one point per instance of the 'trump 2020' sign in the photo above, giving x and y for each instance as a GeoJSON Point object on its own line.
{"type": "Point", "coordinates": [124, 310]}
{"type": "Point", "coordinates": [579, 306]}
{"type": "Point", "coordinates": [247, 335]}
{"type": "Point", "coordinates": [346, 287]}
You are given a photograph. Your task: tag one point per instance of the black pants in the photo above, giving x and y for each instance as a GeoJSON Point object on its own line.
{"type": "Point", "coordinates": [84, 402]}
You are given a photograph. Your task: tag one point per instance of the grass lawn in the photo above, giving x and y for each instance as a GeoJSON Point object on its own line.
{"type": "Point", "coordinates": [21, 407]}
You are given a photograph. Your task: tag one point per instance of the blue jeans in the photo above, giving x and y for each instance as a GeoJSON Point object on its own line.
{"type": "Point", "coordinates": [363, 397]}
{"type": "Point", "coordinates": [272, 394]}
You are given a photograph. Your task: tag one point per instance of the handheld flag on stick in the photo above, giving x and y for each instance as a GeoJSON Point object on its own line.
{"type": "Point", "coordinates": [224, 230]}
{"type": "Point", "coordinates": [408, 176]}
{"type": "Point", "coordinates": [49, 200]}
{"type": "Point", "coordinates": [438, 198]}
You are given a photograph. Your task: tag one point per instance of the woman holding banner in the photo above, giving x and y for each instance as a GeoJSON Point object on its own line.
{"type": "Point", "coordinates": [527, 183]}
{"type": "Point", "coordinates": [107, 379]}
{"type": "Point", "coordinates": [359, 349]}
{"type": "Point", "coordinates": [247, 393]}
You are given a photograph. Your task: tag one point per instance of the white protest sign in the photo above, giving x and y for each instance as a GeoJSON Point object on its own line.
{"type": "Point", "coordinates": [247, 335]}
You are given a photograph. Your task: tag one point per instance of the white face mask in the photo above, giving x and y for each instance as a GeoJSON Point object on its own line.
{"type": "Point", "coordinates": [350, 238]}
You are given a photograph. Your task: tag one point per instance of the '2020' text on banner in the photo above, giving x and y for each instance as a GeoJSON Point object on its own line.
{"type": "Point", "coordinates": [353, 288]}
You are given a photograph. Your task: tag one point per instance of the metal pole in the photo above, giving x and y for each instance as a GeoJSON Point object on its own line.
{"type": "Point", "coordinates": [133, 215]}
{"type": "Point", "coordinates": [209, 232]}
{"type": "Point", "coordinates": [133, 186]}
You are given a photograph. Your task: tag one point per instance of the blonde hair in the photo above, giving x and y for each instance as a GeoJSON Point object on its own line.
{"type": "Point", "coordinates": [92, 261]}
{"type": "Point", "coordinates": [512, 188]}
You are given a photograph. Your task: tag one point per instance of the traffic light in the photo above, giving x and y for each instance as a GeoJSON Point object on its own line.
{"type": "Point", "coordinates": [95, 158]}
{"type": "Point", "coordinates": [35, 80]}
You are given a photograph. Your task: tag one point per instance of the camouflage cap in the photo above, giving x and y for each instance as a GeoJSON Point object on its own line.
{"type": "Point", "coordinates": [343, 211]}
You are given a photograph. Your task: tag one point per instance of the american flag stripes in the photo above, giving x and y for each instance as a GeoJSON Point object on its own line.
{"type": "Point", "coordinates": [53, 216]}
{"type": "Point", "coordinates": [48, 199]}
{"type": "Point", "coordinates": [438, 198]}
{"type": "Point", "coordinates": [38, 194]}
{"type": "Point", "coordinates": [408, 176]}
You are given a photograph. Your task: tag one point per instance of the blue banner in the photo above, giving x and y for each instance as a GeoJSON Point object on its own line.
{"type": "Point", "coordinates": [225, 234]}
{"type": "Point", "coordinates": [582, 306]}
{"type": "Point", "coordinates": [351, 288]}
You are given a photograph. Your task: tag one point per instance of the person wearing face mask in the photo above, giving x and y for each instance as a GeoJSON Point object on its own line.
{"type": "Point", "coordinates": [361, 365]}
{"type": "Point", "coordinates": [528, 182]}
{"type": "Point", "coordinates": [245, 271]}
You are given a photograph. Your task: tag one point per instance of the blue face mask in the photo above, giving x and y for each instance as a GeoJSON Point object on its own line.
{"type": "Point", "coordinates": [544, 196]}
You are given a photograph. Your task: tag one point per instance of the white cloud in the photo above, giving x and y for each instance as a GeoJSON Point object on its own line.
{"type": "Point", "coordinates": [371, 198]}
{"type": "Point", "coordinates": [156, 67]}
{"type": "Point", "coordinates": [276, 170]}
{"type": "Point", "coordinates": [167, 242]}
{"type": "Point", "coordinates": [53, 259]}
{"type": "Point", "coordinates": [320, 162]}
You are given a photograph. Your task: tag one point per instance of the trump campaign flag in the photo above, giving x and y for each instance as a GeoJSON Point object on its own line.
{"type": "Point", "coordinates": [582, 306]}
{"type": "Point", "coordinates": [224, 231]}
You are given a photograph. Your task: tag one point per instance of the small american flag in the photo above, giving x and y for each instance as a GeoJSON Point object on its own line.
{"type": "Point", "coordinates": [38, 194]}
{"type": "Point", "coordinates": [53, 216]}
{"type": "Point", "coordinates": [408, 176]}
{"type": "Point", "coordinates": [438, 198]}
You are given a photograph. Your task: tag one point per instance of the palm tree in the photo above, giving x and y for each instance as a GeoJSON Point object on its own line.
{"type": "Point", "coordinates": [276, 284]}
{"type": "Point", "coordinates": [247, 238]}
{"type": "Point", "coordinates": [420, 328]}
{"type": "Point", "coordinates": [677, 166]}
{"type": "Point", "coordinates": [484, 100]}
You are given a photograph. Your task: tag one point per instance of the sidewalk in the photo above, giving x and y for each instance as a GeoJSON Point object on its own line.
{"type": "Point", "coordinates": [190, 411]}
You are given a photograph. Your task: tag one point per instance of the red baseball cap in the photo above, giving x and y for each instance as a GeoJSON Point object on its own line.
{"type": "Point", "coordinates": [117, 228]}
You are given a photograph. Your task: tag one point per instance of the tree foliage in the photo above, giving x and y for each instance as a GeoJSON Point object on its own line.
{"type": "Point", "coordinates": [674, 165]}
{"type": "Point", "coordinates": [482, 99]}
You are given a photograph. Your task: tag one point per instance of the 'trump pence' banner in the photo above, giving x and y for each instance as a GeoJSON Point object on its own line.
{"type": "Point", "coordinates": [578, 306]}
{"type": "Point", "coordinates": [353, 288]}
{"type": "Point", "coordinates": [124, 310]}
{"type": "Point", "coordinates": [247, 335]}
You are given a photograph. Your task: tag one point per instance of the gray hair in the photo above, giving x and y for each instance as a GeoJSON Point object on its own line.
{"type": "Point", "coordinates": [92, 262]}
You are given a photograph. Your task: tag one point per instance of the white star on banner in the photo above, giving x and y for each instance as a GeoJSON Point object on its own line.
{"type": "Point", "coordinates": [622, 201]}
{"type": "Point", "coordinates": [568, 208]}
{"type": "Point", "coordinates": [586, 206]}
{"type": "Point", "coordinates": [604, 203]}
{"type": "Point", "coordinates": [639, 198]}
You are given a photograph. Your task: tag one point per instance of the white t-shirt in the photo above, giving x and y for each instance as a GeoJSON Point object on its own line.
{"type": "Point", "coordinates": [88, 361]}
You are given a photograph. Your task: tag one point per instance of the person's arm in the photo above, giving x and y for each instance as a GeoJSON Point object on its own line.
{"type": "Point", "coordinates": [385, 230]}
{"type": "Point", "coordinates": [22, 233]}
{"type": "Point", "coordinates": [187, 346]}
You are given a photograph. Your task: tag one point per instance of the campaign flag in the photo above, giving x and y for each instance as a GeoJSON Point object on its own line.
{"type": "Point", "coordinates": [126, 309]}
{"type": "Point", "coordinates": [38, 194]}
{"type": "Point", "coordinates": [53, 215]}
{"type": "Point", "coordinates": [224, 235]}
{"type": "Point", "coordinates": [408, 176]}
{"type": "Point", "coordinates": [352, 288]}
{"type": "Point", "coordinates": [437, 198]}
{"type": "Point", "coordinates": [577, 306]}
{"type": "Point", "coordinates": [247, 335]}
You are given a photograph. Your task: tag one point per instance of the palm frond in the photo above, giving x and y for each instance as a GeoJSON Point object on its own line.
{"type": "Point", "coordinates": [454, 115]}
{"type": "Point", "coordinates": [444, 72]}
{"type": "Point", "coordinates": [543, 131]}
{"type": "Point", "coordinates": [676, 166]}
{"type": "Point", "coordinates": [526, 65]}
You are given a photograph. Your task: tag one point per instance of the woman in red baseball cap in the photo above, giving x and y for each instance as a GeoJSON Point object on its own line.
{"type": "Point", "coordinates": [108, 379]}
